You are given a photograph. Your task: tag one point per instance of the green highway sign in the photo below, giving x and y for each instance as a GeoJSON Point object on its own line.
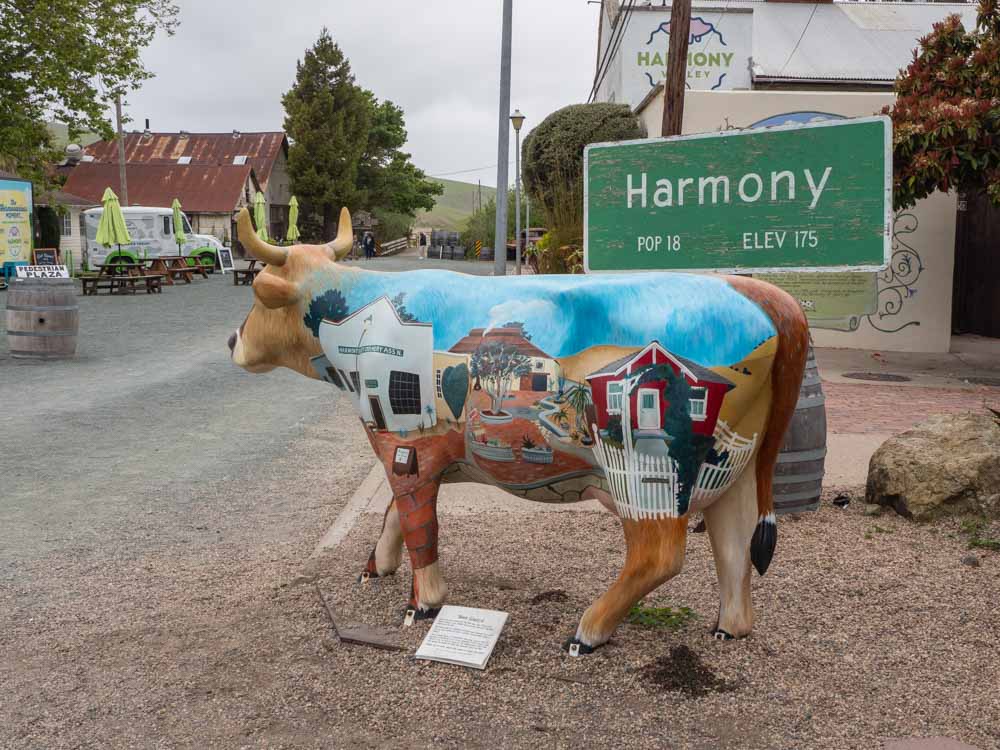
{"type": "Point", "coordinates": [814, 197]}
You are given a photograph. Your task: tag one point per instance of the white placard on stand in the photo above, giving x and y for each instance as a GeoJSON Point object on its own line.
{"type": "Point", "coordinates": [464, 636]}
{"type": "Point", "coordinates": [42, 272]}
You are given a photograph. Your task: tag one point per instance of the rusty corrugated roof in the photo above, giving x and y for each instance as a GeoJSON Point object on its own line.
{"type": "Point", "coordinates": [200, 189]}
{"type": "Point", "coordinates": [511, 336]}
{"type": "Point", "coordinates": [204, 149]}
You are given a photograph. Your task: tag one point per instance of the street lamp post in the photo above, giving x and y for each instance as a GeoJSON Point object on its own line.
{"type": "Point", "coordinates": [517, 119]}
{"type": "Point", "coordinates": [503, 145]}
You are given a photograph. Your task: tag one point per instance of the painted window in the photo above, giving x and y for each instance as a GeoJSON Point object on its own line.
{"type": "Point", "coordinates": [404, 392]}
{"type": "Point", "coordinates": [437, 384]}
{"type": "Point", "coordinates": [539, 364]}
{"type": "Point", "coordinates": [356, 379]}
{"type": "Point", "coordinates": [699, 404]}
{"type": "Point", "coordinates": [66, 229]}
{"type": "Point", "coordinates": [615, 390]}
{"type": "Point", "coordinates": [347, 382]}
{"type": "Point", "coordinates": [334, 378]}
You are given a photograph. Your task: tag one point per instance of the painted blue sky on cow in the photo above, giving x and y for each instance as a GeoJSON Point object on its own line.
{"type": "Point", "coordinates": [696, 316]}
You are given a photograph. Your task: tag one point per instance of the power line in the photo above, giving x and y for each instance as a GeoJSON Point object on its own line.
{"type": "Point", "coordinates": [616, 44]}
{"type": "Point", "coordinates": [466, 171]}
{"type": "Point", "coordinates": [801, 37]}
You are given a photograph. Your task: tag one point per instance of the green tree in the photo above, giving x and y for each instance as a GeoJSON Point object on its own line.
{"type": "Point", "coordinates": [481, 225]}
{"type": "Point", "coordinates": [946, 118]}
{"type": "Point", "coordinates": [496, 365]}
{"type": "Point", "coordinates": [327, 118]}
{"type": "Point", "coordinates": [67, 60]}
{"type": "Point", "coordinates": [330, 305]}
{"type": "Point", "coordinates": [387, 179]}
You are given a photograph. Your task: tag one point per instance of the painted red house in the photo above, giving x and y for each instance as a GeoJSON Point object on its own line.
{"type": "Point", "coordinates": [647, 404]}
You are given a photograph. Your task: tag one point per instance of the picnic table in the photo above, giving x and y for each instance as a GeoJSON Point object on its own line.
{"type": "Point", "coordinates": [172, 266]}
{"type": "Point", "coordinates": [246, 275]}
{"type": "Point", "coordinates": [119, 277]}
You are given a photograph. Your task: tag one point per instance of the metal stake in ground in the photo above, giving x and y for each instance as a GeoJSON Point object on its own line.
{"type": "Point", "coordinates": [677, 52]}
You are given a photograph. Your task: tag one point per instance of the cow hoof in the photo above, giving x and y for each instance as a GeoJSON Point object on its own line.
{"type": "Point", "coordinates": [721, 635]}
{"type": "Point", "coordinates": [576, 647]}
{"type": "Point", "coordinates": [422, 614]}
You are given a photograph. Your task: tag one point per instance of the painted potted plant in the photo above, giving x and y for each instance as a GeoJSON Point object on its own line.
{"type": "Point", "coordinates": [535, 454]}
{"type": "Point", "coordinates": [495, 365]}
{"type": "Point", "coordinates": [493, 450]}
{"type": "Point", "coordinates": [579, 399]}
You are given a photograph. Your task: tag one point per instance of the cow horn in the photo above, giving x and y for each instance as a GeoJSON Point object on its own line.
{"type": "Point", "coordinates": [262, 251]}
{"type": "Point", "coordinates": [341, 246]}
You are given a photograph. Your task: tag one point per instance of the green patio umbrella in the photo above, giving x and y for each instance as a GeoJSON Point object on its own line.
{"type": "Point", "coordinates": [179, 235]}
{"type": "Point", "coordinates": [111, 229]}
{"type": "Point", "coordinates": [260, 217]}
{"type": "Point", "coordinates": [293, 220]}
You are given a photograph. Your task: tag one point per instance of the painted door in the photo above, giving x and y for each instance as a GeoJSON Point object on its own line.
{"type": "Point", "coordinates": [377, 414]}
{"type": "Point", "coordinates": [649, 409]}
{"type": "Point", "coordinates": [539, 382]}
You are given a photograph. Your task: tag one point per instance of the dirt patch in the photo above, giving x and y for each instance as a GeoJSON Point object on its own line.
{"type": "Point", "coordinates": [556, 595]}
{"type": "Point", "coordinates": [683, 671]}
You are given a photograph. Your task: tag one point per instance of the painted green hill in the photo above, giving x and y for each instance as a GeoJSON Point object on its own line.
{"type": "Point", "coordinates": [454, 206]}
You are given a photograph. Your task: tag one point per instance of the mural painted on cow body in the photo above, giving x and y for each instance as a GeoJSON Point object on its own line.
{"type": "Point", "coordinates": [653, 393]}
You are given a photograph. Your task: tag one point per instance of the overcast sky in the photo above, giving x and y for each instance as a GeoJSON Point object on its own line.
{"type": "Point", "coordinates": [229, 63]}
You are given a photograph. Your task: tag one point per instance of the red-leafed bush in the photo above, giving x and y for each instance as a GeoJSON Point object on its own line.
{"type": "Point", "coordinates": [946, 119]}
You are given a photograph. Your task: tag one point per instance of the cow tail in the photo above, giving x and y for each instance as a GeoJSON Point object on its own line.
{"type": "Point", "coordinates": [786, 380]}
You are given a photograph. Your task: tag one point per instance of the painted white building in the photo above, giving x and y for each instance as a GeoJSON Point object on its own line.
{"type": "Point", "coordinates": [385, 363]}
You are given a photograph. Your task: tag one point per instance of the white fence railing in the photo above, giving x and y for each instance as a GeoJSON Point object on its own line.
{"type": "Point", "coordinates": [646, 486]}
{"type": "Point", "coordinates": [714, 479]}
{"type": "Point", "coordinates": [394, 246]}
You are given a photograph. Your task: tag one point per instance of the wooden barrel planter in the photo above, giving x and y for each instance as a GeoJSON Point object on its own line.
{"type": "Point", "coordinates": [43, 318]}
{"type": "Point", "coordinates": [798, 475]}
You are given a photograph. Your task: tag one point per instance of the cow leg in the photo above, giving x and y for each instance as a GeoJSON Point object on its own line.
{"type": "Point", "coordinates": [731, 520]}
{"type": "Point", "coordinates": [655, 554]}
{"type": "Point", "coordinates": [387, 553]}
{"type": "Point", "coordinates": [418, 520]}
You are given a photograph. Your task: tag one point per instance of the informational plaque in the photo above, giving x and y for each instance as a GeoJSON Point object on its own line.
{"type": "Point", "coordinates": [463, 635]}
{"type": "Point", "coordinates": [226, 259]}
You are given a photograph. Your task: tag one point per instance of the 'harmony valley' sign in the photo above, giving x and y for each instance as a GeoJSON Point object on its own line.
{"type": "Point", "coordinates": [797, 198]}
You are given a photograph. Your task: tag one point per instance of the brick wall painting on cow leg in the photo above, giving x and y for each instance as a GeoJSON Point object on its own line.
{"type": "Point", "coordinates": [542, 390]}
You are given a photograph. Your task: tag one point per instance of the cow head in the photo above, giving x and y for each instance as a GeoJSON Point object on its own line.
{"type": "Point", "coordinates": [274, 334]}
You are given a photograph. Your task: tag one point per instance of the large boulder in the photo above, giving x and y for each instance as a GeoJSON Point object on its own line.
{"type": "Point", "coordinates": [946, 465]}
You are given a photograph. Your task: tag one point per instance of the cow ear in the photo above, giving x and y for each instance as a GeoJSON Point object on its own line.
{"type": "Point", "coordinates": [274, 291]}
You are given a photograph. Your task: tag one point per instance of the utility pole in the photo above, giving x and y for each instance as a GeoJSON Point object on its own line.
{"type": "Point", "coordinates": [677, 52]}
{"type": "Point", "coordinates": [121, 152]}
{"type": "Point", "coordinates": [503, 146]}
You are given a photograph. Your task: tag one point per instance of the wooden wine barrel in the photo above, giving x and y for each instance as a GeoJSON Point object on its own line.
{"type": "Point", "coordinates": [42, 318]}
{"type": "Point", "coordinates": [798, 475]}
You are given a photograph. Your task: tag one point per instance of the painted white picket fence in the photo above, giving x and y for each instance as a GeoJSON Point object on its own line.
{"type": "Point", "coordinates": [645, 486]}
{"type": "Point", "coordinates": [715, 479]}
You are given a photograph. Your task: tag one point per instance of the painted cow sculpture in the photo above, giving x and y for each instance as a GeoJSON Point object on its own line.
{"type": "Point", "coordinates": [653, 393]}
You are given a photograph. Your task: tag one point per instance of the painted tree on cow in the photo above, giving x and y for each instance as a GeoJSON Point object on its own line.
{"type": "Point", "coordinates": [496, 365]}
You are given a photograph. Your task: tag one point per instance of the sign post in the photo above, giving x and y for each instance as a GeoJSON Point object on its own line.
{"type": "Point", "coordinates": [814, 197]}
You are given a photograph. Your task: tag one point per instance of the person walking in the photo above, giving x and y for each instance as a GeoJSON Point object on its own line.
{"type": "Point", "coordinates": [369, 246]}
{"type": "Point", "coordinates": [423, 245]}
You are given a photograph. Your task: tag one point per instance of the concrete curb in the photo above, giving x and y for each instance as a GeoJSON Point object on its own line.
{"type": "Point", "coordinates": [355, 507]}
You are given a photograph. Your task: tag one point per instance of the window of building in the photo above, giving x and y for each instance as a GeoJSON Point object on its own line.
{"type": "Point", "coordinates": [615, 390]}
{"type": "Point", "coordinates": [347, 382]}
{"type": "Point", "coordinates": [168, 225]}
{"type": "Point", "coordinates": [183, 159]}
{"type": "Point", "coordinates": [437, 384]}
{"type": "Point", "coordinates": [699, 404]}
{"type": "Point", "coordinates": [356, 379]}
{"type": "Point", "coordinates": [240, 160]}
{"type": "Point", "coordinates": [334, 378]}
{"type": "Point", "coordinates": [66, 228]}
{"type": "Point", "coordinates": [404, 392]}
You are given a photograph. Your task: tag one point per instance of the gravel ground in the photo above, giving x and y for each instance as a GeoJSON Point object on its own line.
{"type": "Point", "coordinates": [868, 628]}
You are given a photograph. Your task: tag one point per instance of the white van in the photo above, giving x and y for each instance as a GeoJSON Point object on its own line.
{"type": "Point", "coordinates": [152, 231]}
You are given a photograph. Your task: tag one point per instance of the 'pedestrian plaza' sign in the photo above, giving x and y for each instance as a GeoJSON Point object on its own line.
{"type": "Point", "coordinates": [814, 197]}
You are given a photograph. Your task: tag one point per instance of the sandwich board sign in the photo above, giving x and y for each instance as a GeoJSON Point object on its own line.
{"type": "Point", "coordinates": [814, 197]}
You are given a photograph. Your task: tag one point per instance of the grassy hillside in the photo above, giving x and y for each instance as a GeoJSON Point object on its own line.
{"type": "Point", "coordinates": [453, 207]}
{"type": "Point", "coordinates": [60, 135]}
